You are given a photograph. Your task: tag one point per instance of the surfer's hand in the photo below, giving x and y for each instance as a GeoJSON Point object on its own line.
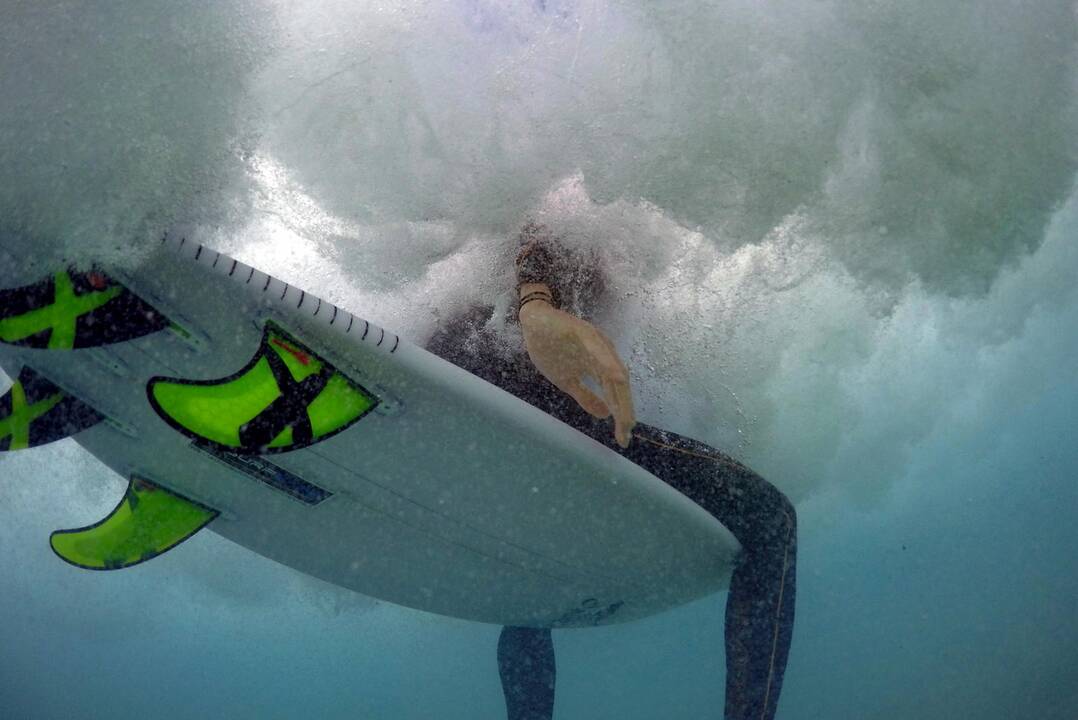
{"type": "Point", "coordinates": [566, 349]}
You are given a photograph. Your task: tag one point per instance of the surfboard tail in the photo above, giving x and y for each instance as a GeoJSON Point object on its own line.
{"type": "Point", "coordinates": [148, 522]}
{"type": "Point", "coordinates": [36, 412]}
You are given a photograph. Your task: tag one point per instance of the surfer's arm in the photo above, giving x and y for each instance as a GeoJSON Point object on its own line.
{"type": "Point", "coordinates": [567, 349]}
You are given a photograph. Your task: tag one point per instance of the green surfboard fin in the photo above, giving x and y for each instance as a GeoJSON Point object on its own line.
{"type": "Point", "coordinates": [73, 310]}
{"type": "Point", "coordinates": [286, 398]}
{"type": "Point", "coordinates": [148, 521]}
{"type": "Point", "coordinates": [35, 412]}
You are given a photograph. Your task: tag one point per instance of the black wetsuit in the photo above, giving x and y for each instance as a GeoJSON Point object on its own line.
{"type": "Point", "coordinates": [760, 608]}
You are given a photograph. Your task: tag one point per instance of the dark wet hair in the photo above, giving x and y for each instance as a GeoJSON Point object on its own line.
{"type": "Point", "coordinates": [575, 277]}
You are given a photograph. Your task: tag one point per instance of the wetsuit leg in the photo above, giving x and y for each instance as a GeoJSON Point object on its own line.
{"type": "Point", "coordinates": [526, 666]}
{"type": "Point", "coordinates": [760, 608]}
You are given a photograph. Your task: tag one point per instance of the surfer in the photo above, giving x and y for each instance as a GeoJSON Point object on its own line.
{"type": "Point", "coordinates": [557, 289]}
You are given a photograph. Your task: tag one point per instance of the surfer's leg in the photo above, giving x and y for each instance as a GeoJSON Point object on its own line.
{"type": "Point", "coordinates": [760, 612]}
{"type": "Point", "coordinates": [760, 608]}
{"type": "Point", "coordinates": [526, 666]}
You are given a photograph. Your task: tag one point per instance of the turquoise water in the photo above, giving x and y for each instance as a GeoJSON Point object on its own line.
{"type": "Point", "coordinates": [840, 238]}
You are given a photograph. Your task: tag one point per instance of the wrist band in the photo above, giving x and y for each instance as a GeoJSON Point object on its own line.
{"type": "Point", "coordinates": [538, 295]}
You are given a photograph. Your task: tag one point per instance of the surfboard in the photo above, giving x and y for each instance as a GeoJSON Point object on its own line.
{"type": "Point", "coordinates": [235, 402]}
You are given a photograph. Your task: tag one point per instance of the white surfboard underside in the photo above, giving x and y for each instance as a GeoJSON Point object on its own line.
{"type": "Point", "coordinates": [453, 496]}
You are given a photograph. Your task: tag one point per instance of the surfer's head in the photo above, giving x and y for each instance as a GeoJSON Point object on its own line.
{"type": "Point", "coordinates": [574, 275]}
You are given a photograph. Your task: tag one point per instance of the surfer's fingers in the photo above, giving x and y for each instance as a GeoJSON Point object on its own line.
{"type": "Point", "coordinates": [592, 403]}
{"type": "Point", "coordinates": [605, 365]}
{"type": "Point", "coordinates": [614, 378]}
{"type": "Point", "coordinates": [620, 400]}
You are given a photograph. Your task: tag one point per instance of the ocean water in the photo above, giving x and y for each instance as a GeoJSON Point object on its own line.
{"type": "Point", "coordinates": [841, 245]}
